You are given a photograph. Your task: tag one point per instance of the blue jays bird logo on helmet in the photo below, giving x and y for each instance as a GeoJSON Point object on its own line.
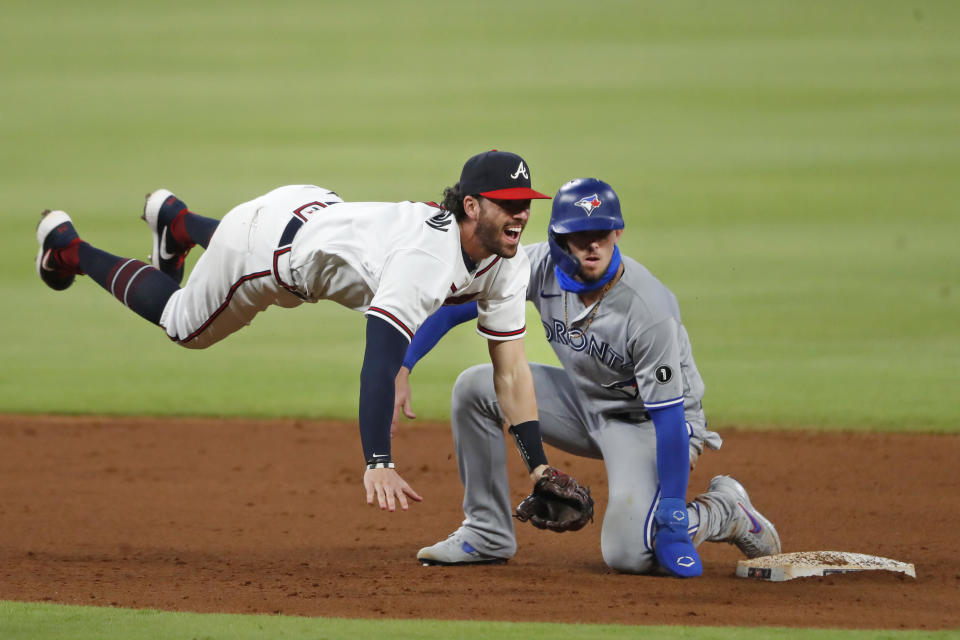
{"type": "Point", "coordinates": [573, 200]}
{"type": "Point", "coordinates": [588, 203]}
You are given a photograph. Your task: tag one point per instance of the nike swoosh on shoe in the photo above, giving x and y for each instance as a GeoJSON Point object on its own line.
{"type": "Point", "coordinates": [757, 527]}
{"type": "Point", "coordinates": [164, 254]}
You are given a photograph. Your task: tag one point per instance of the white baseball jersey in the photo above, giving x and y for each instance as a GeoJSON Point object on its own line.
{"type": "Point", "coordinates": [397, 261]}
{"type": "Point", "coordinates": [401, 262]}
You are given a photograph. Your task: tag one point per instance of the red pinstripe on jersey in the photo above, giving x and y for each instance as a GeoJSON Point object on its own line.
{"type": "Point", "coordinates": [276, 271]}
{"type": "Point", "coordinates": [487, 268]}
{"type": "Point", "coordinates": [502, 334]}
{"type": "Point", "coordinates": [222, 307]}
{"type": "Point", "coordinates": [386, 314]}
{"type": "Point", "coordinates": [300, 213]}
{"type": "Point", "coordinates": [462, 299]}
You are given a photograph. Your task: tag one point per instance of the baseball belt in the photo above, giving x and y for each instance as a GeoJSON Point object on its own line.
{"type": "Point", "coordinates": [283, 247]}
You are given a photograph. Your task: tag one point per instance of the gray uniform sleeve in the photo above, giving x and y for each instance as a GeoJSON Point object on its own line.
{"type": "Point", "coordinates": [656, 354]}
{"type": "Point", "coordinates": [538, 254]}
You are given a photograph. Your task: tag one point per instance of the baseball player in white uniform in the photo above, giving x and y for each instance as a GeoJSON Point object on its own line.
{"type": "Point", "coordinates": [395, 262]}
{"type": "Point", "coordinates": [628, 392]}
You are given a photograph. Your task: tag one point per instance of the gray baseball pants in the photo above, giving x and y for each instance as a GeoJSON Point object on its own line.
{"type": "Point", "coordinates": [628, 451]}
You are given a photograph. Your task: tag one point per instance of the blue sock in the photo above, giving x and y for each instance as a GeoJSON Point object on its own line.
{"type": "Point", "coordinates": [199, 228]}
{"type": "Point", "coordinates": [136, 284]}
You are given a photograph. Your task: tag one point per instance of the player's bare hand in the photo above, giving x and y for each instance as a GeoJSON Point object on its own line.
{"type": "Point", "coordinates": [389, 489]}
{"type": "Point", "coordinates": [401, 399]}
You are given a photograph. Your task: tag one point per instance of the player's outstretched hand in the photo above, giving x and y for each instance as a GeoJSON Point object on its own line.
{"type": "Point", "coordinates": [401, 399]}
{"type": "Point", "coordinates": [389, 488]}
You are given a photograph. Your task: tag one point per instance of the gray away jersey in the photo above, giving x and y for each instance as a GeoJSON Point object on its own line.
{"type": "Point", "coordinates": [634, 356]}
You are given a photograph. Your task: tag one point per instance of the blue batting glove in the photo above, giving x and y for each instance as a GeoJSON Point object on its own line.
{"type": "Point", "coordinates": [673, 546]}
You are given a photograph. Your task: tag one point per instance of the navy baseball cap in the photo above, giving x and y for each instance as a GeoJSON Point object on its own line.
{"type": "Point", "coordinates": [498, 174]}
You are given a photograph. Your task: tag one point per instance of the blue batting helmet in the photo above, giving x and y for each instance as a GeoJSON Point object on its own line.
{"type": "Point", "coordinates": [583, 204]}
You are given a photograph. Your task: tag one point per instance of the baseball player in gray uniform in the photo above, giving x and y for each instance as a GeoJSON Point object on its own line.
{"type": "Point", "coordinates": [395, 262]}
{"type": "Point", "coordinates": [628, 392]}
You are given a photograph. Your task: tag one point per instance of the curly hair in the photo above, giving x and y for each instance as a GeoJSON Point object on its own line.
{"type": "Point", "coordinates": [453, 201]}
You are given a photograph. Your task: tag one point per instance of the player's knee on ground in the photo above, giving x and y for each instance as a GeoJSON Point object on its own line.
{"type": "Point", "coordinates": [622, 541]}
{"type": "Point", "coordinates": [628, 557]}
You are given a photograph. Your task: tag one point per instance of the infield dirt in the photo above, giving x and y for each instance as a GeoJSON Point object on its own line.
{"type": "Point", "coordinates": [249, 516]}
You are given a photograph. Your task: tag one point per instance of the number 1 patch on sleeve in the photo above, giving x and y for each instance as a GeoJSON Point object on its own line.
{"type": "Point", "coordinates": [663, 374]}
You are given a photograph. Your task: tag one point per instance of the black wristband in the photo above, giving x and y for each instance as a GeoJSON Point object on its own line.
{"type": "Point", "coordinates": [529, 444]}
{"type": "Point", "coordinates": [382, 463]}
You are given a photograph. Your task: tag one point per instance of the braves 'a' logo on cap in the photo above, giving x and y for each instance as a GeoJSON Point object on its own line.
{"type": "Point", "coordinates": [521, 171]}
{"type": "Point", "coordinates": [589, 203]}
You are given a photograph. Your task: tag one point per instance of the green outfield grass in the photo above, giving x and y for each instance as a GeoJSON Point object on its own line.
{"type": "Point", "coordinates": [789, 169]}
{"type": "Point", "coordinates": [43, 621]}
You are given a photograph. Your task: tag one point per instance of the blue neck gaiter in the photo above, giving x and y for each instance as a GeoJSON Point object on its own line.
{"type": "Point", "coordinates": [575, 286]}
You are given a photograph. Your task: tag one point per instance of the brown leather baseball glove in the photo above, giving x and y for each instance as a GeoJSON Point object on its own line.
{"type": "Point", "coordinates": [558, 503]}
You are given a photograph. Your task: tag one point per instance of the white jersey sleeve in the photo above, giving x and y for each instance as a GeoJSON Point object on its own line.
{"type": "Point", "coordinates": [502, 313]}
{"type": "Point", "coordinates": [412, 286]}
